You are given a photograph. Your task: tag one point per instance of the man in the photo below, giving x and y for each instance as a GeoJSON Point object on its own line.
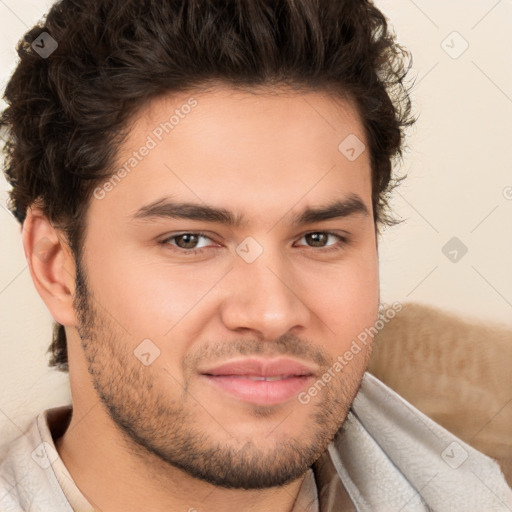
{"type": "Point", "coordinates": [200, 186]}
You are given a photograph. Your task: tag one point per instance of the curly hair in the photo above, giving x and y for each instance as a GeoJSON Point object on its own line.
{"type": "Point", "coordinates": [68, 112]}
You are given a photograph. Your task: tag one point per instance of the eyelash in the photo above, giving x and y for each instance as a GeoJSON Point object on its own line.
{"type": "Point", "coordinates": [343, 241]}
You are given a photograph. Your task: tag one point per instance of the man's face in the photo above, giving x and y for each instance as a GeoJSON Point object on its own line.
{"type": "Point", "coordinates": [165, 301]}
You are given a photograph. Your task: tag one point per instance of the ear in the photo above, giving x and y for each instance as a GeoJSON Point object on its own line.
{"type": "Point", "coordinates": [51, 265]}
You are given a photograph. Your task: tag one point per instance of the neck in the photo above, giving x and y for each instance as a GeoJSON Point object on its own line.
{"type": "Point", "coordinates": [114, 476]}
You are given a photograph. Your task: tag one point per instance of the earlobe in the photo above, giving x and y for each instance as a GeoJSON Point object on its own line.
{"type": "Point", "coordinates": [51, 265]}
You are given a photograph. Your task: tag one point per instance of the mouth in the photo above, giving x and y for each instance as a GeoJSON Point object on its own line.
{"type": "Point", "coordinates": [258, 377]}
{"type": "Point", "coordinates": [260, 381]}
{"type": "Point", "coordinates": [260, 390]}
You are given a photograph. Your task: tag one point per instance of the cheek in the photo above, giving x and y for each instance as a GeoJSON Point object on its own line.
{"type": "Point", "coordinates": [346, 300]}
{"type": "Point", "coordinates": [149, 298]}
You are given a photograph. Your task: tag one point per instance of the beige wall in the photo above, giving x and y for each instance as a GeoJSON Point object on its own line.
{"type": "Point", "coordinates": [459, 185]}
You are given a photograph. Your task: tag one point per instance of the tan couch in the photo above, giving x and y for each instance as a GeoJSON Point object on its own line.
{"type": "Point", "coordinates": [456, 371]}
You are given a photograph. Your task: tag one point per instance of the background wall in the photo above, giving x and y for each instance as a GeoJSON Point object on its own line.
{"type": "Point", "coordinates": [459, 189]}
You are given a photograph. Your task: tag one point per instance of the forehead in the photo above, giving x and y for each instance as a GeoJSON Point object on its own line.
{"type": "Point", "coordinates": [268, 150]}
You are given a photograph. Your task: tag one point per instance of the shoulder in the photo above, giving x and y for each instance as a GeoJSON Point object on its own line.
{"type": "Point", "coordinates": [27, 480]}
{"type": "Point", "coordinates": [411, 457]}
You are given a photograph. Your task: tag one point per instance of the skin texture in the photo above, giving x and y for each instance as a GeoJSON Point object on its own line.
{"type": "Point", "coordinates": [160, 436]}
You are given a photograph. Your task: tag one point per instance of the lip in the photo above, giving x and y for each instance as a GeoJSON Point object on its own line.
{"type": "Point", "coordinates": [237, 378]}
{"type": "Point", "coordinates": [260, 368]}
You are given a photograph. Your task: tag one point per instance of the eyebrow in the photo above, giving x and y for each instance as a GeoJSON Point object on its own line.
{"type": "Point", "coordinates": [166, 208]}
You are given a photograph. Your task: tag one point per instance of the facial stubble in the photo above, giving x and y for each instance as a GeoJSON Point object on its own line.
{"type": "Point", "coordinates": [154, 424]}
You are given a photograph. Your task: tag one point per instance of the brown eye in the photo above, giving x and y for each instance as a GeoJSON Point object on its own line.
{"type": "Point", "coordinates": [317, 239]}
{"type": "Point", "coordinates": [192, 242]}
{"type": "Point", "coordinates": [186, 241]}
{"type": "Point", "coordinates": [321, 239]}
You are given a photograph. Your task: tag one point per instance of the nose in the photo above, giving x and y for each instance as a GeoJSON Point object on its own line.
{"type": "Point", "coordinates": [265, 297]}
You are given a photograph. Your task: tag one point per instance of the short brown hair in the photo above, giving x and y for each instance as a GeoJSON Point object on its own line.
{"type": "Point", "coordinates": [68, 113]}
